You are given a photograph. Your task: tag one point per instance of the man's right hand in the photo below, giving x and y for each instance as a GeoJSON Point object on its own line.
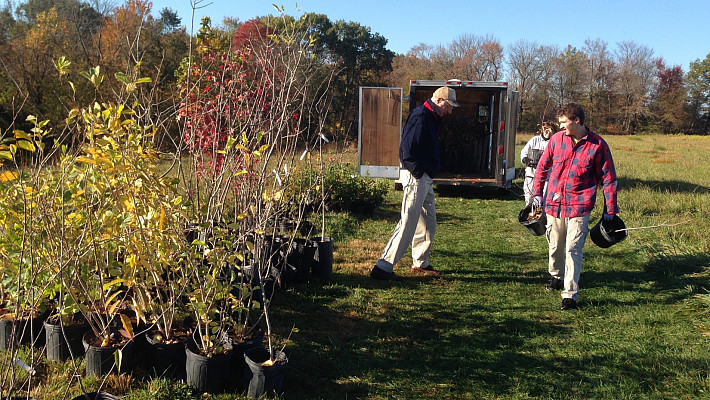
{"type": "Point", "coordinates": [537, 201]}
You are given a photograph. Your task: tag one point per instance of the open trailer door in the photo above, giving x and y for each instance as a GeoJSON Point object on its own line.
{"type": "Point", "coordinates": [379, 131]}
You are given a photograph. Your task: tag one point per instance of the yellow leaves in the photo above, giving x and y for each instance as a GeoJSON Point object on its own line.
{"type": "Point", "coordinates": [127, 325]}
{"type": "Point", "coordinates": [161, 223]}
{"type": "Point", "coordinates": [87, 160]}
{"type": "Point", "coordinates": [26, 145]}
{"type": "Point", "coordinates": [128, 205]}
{"type": "Point", "coordinates": [132, 260]}
{"type": "Point", "coordinates": [76, 219]}
{"type": "Point", "coordinates": [8, 176]}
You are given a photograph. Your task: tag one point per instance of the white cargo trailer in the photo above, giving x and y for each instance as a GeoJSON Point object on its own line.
{"type": "Point", "coordinates": [477, 141]}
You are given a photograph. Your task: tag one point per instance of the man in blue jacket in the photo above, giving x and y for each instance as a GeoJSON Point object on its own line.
{"type": "Point", "coordinates": [420, 161]}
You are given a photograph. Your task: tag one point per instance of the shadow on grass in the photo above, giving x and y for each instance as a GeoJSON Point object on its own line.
{"type": "Point", "coordinates": [663, 186]}
{"type": "Point", "coordinates": [483, 193]}
{"type": "Point", "coordinates": [356, 343]}
{"type": "Point", "coordinates": [667, 279]}
{"type": "Point", "coordinates": [345, 354]}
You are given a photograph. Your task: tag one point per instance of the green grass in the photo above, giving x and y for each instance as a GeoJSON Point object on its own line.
{"type": "Point", "coordinates": [487, 329]}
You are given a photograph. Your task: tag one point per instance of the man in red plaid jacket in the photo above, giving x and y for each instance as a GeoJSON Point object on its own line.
{"type": "Point", "coordinates": [575, 162]}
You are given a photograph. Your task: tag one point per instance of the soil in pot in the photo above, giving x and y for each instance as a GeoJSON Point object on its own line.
{"type": "Point", "coordinates": [533, 219]}
{"type": "Point", "coordinates": [167, 357]}
{"type": "Point", "coordinates": [261, 377]}
{"type": "Point", "coordinates": [100, 359]}
{"type": "Point", "coordinates": [207, 374]}
{"type": "Point", "coordinates": [64, 341]}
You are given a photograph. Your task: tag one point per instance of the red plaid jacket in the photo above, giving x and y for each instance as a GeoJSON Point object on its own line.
{"type": "Point", "coordinates": [574, 171]}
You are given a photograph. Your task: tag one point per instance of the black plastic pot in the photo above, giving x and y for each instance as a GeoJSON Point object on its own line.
{"type": "Point", "coordinates": [63, 344]}
{"type": "Point", "coordinates": [101, 361]}
{"type": "Point", "coordinates": [207, 374]}
{"type": "Point", "coordinates": [238, 350]}
{"type": "Point", "coordinates": [535, 226]}
{"type": "Point", "coordinates": [165, 359]}
{"type": "Point", "coordinates": [23, 331]}
{"type": "Point", "coordinates": [322, 267]}
{"type": "Point", "coordinates": [260, 379]}
{"type": "Point", "coordinates": [301, 256]}
{"type": "Point", "coordinates": [96, 396]}
{"type": "Point", "coordinates": [607, 233]}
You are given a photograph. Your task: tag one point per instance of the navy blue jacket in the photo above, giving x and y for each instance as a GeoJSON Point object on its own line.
{"type": "Point", "coordinates": [419, 148]}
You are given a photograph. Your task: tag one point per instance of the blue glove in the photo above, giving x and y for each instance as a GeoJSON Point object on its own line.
{"type": "Point", "coordinates": [537, 201]}
{"type": "Point", "coordinates": [607, 217]}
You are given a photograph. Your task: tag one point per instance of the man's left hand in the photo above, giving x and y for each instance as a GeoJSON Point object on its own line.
{"type": "Point", "coordinates": [607, 217]}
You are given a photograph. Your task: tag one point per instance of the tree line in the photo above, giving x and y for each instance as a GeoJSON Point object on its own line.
{"type": "Point", "coordinates": [625, 89]}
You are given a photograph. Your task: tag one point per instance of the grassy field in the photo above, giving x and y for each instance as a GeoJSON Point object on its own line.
{"type": "Point", "coordinates": [487, 329]}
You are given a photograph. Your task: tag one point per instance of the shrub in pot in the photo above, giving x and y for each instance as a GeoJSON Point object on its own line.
{"type": "Point", "coordinates": [27, 270]}
{"type": "Point", "coordinates": [64, 330]}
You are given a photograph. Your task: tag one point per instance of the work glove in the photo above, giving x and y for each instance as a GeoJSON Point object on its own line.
{"type": "Point", "coordinates": [607, 217]}
{"type": "Point", "coordinates": [537, 201]}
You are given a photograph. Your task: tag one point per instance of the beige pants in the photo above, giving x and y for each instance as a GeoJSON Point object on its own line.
{"type": "Point", "coordinates": [417, 224]}
{"type": "Point", "coordinates": [566, 237]}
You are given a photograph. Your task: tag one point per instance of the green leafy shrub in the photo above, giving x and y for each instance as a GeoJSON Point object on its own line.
{"type": "Point", "coordinates": [345, 189]}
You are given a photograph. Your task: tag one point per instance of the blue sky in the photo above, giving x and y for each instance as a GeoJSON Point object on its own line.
{"type": "Point", "coordinates": [678, 30]}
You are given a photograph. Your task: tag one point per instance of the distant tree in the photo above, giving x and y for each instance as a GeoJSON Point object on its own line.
{"type": "Point", "coordinates": [698, 80]}
{"type": "Point", "coordinates": [636, 71]}
{"type": "Point", "coordinates": [601, 76]}
{"type": "Point", "coordinates": [7, 22]}
{"type": "Point", "coordinates": [169, 20]}
{"type": "Point", "coordinates": [27, 59]}
{"type": "Point", "coordinates": [543, 103]}
{"type": "Point", "coordinates": [670, 102]}
{"type": "Point", "coordinates": [525, 71]}
{"type": "Point", "coordinates": [361, 58]}
{"type": "Point", "coordinates": [474, 57]}
{"type": "Point", "coordinates": [569, 82]}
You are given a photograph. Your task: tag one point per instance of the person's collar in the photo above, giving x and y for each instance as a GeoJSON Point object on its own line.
{"type": "Point", "coordinates": [429, 105]}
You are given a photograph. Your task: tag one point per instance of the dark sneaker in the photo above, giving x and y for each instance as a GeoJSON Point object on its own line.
{"type": "Point", "coordinates": [429, 270]}
{"type": "Point", "coordinates": [555, 284]}
{"type": "Point", "coordinates": [381, 274]}
{"type": "Point", "coordinates": [569, 304]}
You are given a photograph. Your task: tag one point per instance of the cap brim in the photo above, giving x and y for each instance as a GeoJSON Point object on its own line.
{"type": "Point", "coordinates": [453, 103]}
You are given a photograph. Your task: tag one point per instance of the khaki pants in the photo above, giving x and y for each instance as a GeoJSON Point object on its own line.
{"type": "Point", "coordinates": [566, 237]}
{"type": "Point", "coordinates": [417, 224]}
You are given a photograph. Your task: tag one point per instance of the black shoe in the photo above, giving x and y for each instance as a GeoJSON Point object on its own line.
{"type": "Point", "coordinates": [569, 304]}
{"type": "Point", "coordinates": [555, 284]}
{"type": "Point", "coordinates": [381, 274]}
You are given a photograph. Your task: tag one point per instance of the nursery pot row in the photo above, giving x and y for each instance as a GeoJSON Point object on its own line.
{"type": "Point", "coordinates": [15, 332]}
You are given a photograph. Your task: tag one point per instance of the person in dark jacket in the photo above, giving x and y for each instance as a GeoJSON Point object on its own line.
{"type": "Point", "coordinates": [420, 162]}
